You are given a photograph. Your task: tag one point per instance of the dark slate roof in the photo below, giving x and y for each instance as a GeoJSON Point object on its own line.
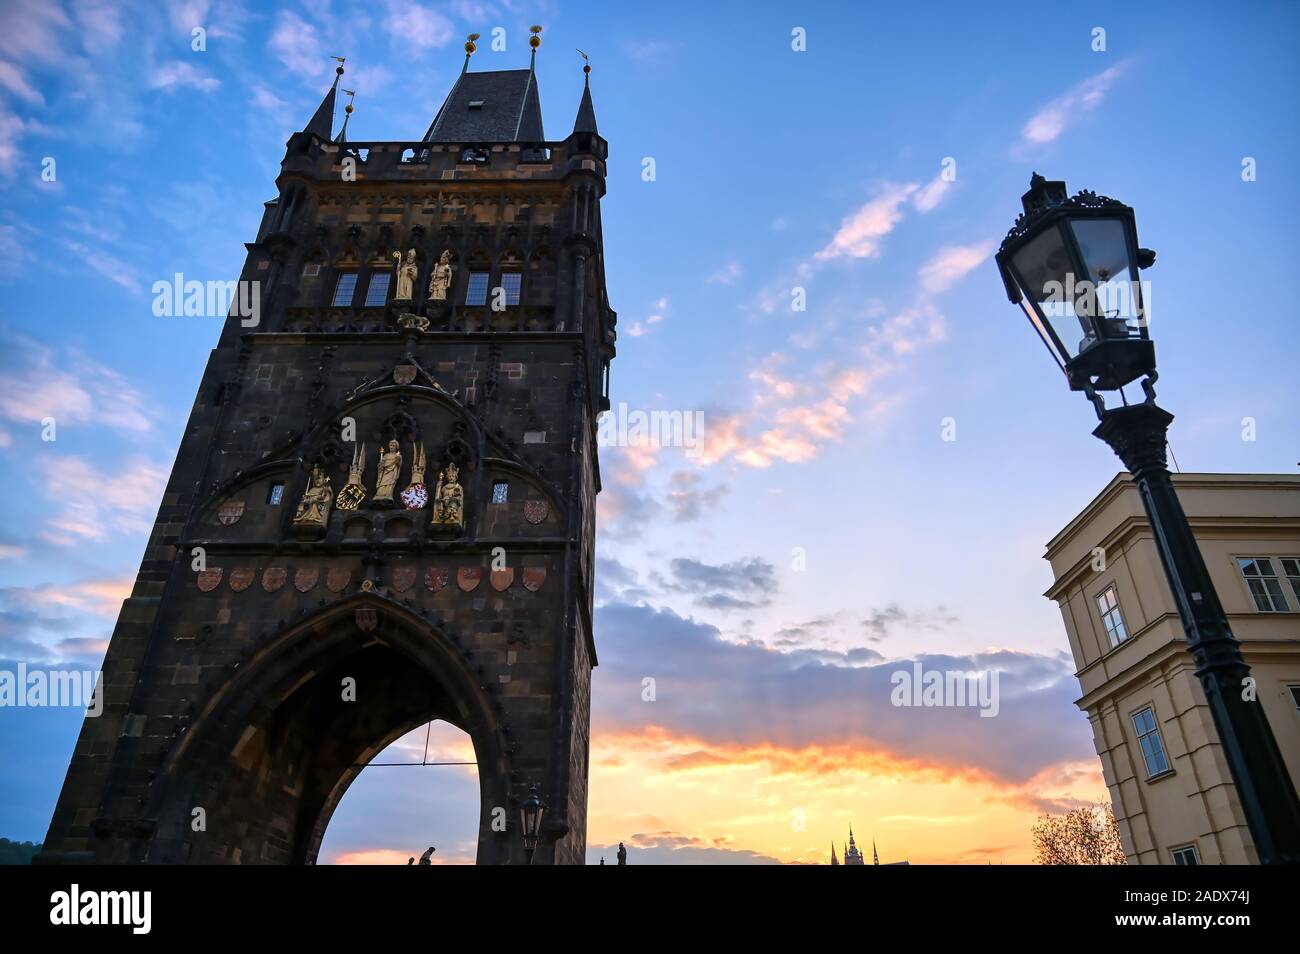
{"type": "Point", "coordinates": [586, 121]}
{"type": "Point", "coordinates": [511, 110]}
{"type": "Point", "coordinates": [322, 123]}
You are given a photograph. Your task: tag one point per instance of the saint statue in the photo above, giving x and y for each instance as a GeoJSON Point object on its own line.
{"type": "Point", "coordinates": [390, 463]}
{"type": "Point", "coordinates": [314, 507]}
{"type": "Point", "coordinates": [440, 280]}
{"type": "Point", "coordinates": [622, 854]}
{"type": "Point", "coordinates": [406, 272]}
{"type": "Point", "coordinates": [449, 499]}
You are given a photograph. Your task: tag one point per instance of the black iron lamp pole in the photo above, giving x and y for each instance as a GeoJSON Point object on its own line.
{"type": "Point", "coordinates": [1072, 263]}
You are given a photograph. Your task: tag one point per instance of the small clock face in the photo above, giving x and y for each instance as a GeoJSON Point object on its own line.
{"type": "Point", "coordinates": [415, 496]}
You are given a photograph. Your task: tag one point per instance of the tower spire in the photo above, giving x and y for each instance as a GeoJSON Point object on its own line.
{"type": "Point", "coordinates": [322, 121]}
{"type": "Point", "coordinates": [875, 858]}
{"type": "Point", "coordinates": [586, 120]}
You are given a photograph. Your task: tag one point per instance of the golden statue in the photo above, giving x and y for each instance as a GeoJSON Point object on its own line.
{"type": "Point", "coordinates": [449, 499]}
{"type": "Point", "coordinates": [406, 272]}
{"type": "Point", "coordinates": [440, 279]}
{"type": "Point", "coordinates": [390, 465]}
{"type": "Point", "coordinates": [416, 495]}
{"type": "Point", "coordinates": [314, 507]}
{"type": "Point", "coordinates": [353, 491]}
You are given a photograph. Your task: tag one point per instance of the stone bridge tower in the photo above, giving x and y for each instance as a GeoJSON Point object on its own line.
{"type": "Point", "coordinates": [383, 508]}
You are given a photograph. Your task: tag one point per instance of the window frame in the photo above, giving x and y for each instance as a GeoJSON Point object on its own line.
{"type": "Point", "coordinates": [1160, 739]}
{"type": "Point", "coordinates": [339, 276]}
{"type": "Point", "coordinates": [469, 289]}
{"type": "Point", "coordinates": [505, 495]}
{"type": "Point", "coordinates": [1276, 574]}
{"type": "Point", "coordinates": [519, 288]}
{"type": "Point", "coordinates": [1176, 851]}
{"type": "Point", "coordinates": [1292, 578]}
{"type": "Point", "coordinates": [273, 499]}
{"type": "Point", "coordinates": [376, 275]}
{"type": "Point", "coordinates": [1116, 610]}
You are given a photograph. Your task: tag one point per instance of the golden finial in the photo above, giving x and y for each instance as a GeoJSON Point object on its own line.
{"type": "Point", "coordinates": [586, 61]}
{"type": "Point", "coordinates": [470, 46]}
{"type": "Point", "coordinates": [536, 39]}
{"type": "Point", "coordinates": [342, 60]}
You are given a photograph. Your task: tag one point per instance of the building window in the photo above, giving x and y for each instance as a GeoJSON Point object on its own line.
{"type": "Point", "coordinates": [377, 290]}
{"type": "Point", "coordinates": [1108, 606]}
{"type": "Point", "coordinates": [1295, 695]}
{"type": "Point", "coordinates": [510, 282]}
{"type": "Point", "coordinates": [275, 494]}
{"type": "Point", "coordinates": [476, 289]}
{"type": "Point", "coordinates": [1262, 579]}
{"type": "Point", "coordinates": [1153, 749]}
{"type": "Point", "coordinates": [1291, 567]}
{"type": "Point", "coordinates": [1185, 855]}
{"type": "Point", "coordinates": [344, 289]}
{"type": "Point", "coordinates": [500, 492]}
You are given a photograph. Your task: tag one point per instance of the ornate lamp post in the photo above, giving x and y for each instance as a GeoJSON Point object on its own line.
{"type": "Point", "coordinates": [1072, 263]}
{"type": "Point", "coordinates": [530, 816]}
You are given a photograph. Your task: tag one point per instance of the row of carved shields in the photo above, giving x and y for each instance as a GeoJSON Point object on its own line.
{"type": "Point", "coordinates": [401, 579]}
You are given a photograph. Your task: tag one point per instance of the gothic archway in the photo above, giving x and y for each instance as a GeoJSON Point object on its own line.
{"type": "Point", "coordinates": [272, 753]}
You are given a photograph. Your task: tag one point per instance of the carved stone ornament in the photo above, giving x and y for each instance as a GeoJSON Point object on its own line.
{"type": "Point", "coordinates": [241, 577]}
{"type": "Point", "coordinates": [305, 578]}
{"type": "Point", "coordinates": [416, 495]}
{"type": "Point", "coordinates": [354, 490]}
{"type": "Point", "coordinates": [403, 577]}
{"type": "Point", "coordinates": [436, 578]}
{"type": "Point", "coordinates": [501, 579]}
{"type": "Point", "coordinates": [337, 578]}
{"type": "Point", "coordinates": [273, 578]}
{"type": "Point", "coordinates": [209, 580]}
{"type": "Point", "coordinates": [534, 577]}
{"type": "Point", "coordinates": [535, 511]}
{"type": "Point", "coordinates": [229, 512]}
{"type": "Point", "coordinates": [468, 577]}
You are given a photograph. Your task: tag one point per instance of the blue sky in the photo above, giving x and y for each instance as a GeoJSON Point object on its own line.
{"type": "Point", "coordinates": [773, 169]}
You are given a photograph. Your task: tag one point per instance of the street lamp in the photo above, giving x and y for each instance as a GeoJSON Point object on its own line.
{"type": "Point", "coordinates": [530, 816]}
{"type": "Point", "coordinates": [1072, 264]}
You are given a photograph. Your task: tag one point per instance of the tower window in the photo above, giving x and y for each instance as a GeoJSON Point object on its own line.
{"type": "Point", "coordinates": [1153, 747]}
{"type": "Point", "coordinates": [1108, 607]}
{"type": "Point", "coordinates": [1265, 589]}
{"type": "Point", "coordinates": [511, 281]}
{"type": "Point", "coordinates": [476, 104]}
{"type": "Point", "coordinates": [1295, 696]}
{"type": "Point", "coordinates": [476, 289]}
{"type": "Point", "coordinates": [377, 290]}
{"type": "Point", "coordinates": [500, 492]}
{"type": "Point", "coordinates": [344, 289]}
{"type": "Point", "coordinates": [274, 494]}
{"type": "Point", "coordinates": [1291, 567]}
{"type": "Point", "coordinates": [1185, 855]}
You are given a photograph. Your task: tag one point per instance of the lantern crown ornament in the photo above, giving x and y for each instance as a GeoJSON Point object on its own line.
{"type": "Point", "coordinates": [1072, 262]}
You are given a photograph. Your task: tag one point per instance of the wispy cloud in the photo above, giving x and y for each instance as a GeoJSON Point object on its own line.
{"type": "Point", "coordinates": [179, 74]}
{"type": "Point", "coordinates": [861, 233]}
{"type": "Point", "coordinates": [951, 264]}
{"type": "Point", "coordinates": [1053, 119]}
{"type": "Point", "coordinates": [36, 383]}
